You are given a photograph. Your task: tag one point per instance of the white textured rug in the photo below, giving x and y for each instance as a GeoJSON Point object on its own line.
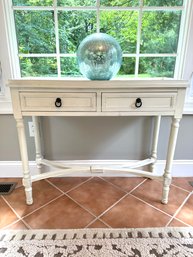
{"type": "Point", "coordinates": [166, 242]}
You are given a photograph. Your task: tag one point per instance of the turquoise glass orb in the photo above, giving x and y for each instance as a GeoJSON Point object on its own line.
{"type": "Point", "coordinates": [99, 57]}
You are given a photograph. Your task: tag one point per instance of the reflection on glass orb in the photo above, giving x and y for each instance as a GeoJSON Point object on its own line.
{"type": "Point", "coordinates": [99, 57]}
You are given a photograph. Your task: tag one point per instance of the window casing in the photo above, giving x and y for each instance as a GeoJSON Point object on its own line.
{"type": "Point", "coordinates": [133, 54]}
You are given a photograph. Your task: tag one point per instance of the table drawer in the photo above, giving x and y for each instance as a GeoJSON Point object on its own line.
{"type": "Point", "coordinates": [124, 102]}
{"type": "Point", "coordinates": [72, 102]}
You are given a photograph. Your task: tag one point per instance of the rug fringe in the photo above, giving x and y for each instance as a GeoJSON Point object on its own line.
{"type": "Point", "coordinates": [61, 234]}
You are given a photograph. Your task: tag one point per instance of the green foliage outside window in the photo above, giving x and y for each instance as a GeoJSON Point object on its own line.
{"type": "Point", "coordinates": [122, 25]}
{"type": "Point", "coordinates": [73, 27]}
{"type": "Point", "coordinates": [36, 35]}
{"type": "Point", "coordinates": [160, 32]}
{"type": "Point", "coordinates": [35, 31]}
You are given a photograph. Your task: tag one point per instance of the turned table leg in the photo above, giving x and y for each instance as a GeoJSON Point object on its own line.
{"type": "Point", "coordinates": [37, 139]}
{"type": "Point", "coordinates": [167, 177]}
{"type": "Point", "coordinates": [24, 158]}
{"type": "Point", "coordinates": [157, 121]}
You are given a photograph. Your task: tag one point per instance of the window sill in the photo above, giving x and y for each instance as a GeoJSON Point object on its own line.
{"type": "Point", "coordinates": [188, 107]}
{"type": "Point", "coordinates": [5, 106]}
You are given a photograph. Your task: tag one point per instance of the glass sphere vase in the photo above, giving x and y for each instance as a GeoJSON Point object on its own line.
{"type": "Point", "coordinates": [99, 57]}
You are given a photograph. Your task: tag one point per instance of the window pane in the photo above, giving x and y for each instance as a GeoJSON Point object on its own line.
{"type": "Point", "coordinates": [33, 2]}
{"type": "Point", "coordinates": [69, 67]}
{"type": "Point", "coordinates": [163, 2]}
{"type": "Point", "coordinates": [35, 31]}
{"type": "Point", "coordinates": [119, 3]}
{"type": "Point", "coordinates": [122, 25]}
{"type": "Point", "coordinates": [128, 67]}
{"type": "Point", "coordinates": [160, 32]}
{"type": "Point", "coordinates": [38, 67]}
{"type": "Point", "coordinates": [157, 66]}
{"type": "Point", "coordinates": [76, 2]}
{"type": "Point", "coordinates": [74, 26]}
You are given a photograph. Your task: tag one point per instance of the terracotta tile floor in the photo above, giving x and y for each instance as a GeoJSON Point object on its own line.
{"type": "Point", "coordinates": [97, 202]}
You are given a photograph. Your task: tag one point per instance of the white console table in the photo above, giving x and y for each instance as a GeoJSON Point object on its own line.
{"type": "Point", "coordinates": [97, 98]}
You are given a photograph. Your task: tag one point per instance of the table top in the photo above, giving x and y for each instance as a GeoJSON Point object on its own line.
{"type": "Point", "coordinates": [82, 83]}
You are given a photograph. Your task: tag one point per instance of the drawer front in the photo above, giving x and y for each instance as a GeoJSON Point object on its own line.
{"type": "Point", "coordinates": [124, 102]}
{"type": "Point", "coordinates": [68, 102]}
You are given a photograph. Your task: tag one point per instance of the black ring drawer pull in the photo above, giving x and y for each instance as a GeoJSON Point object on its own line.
{"type": "Point", "coordinates": [58, 102]}
{"type": "Point", "coordinates": [138, 103]}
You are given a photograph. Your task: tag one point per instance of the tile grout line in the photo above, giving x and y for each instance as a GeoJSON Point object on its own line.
{"type": "Point", "coordinates": [181, 188]}
{"type": "Point", "coordinates": [7, 226]}
{"type": "Point", "coordinates": [100, 221]}
{"type": "Point", "coordinates": [152, 206]}
{"type": "Point", "coordinates": [181, 222]}
{"type": "Point", "coordinates": [49, 182]}
{"type": "Point", "coordinates": [179, 209]}
{"type": "Point", "coordinates": [27, 225]}
{"type": "Point", "coordinates": [98, 217]}
{"type": "Point", "coordinates": [118, 187]}
{"type": "Point", "coordinates": [138, 185]}
{"type": "Point", "coordinates": [91, 222]}
{"type": "Point", "coordinates": [11, 224]}
{"type": "Point", "coordinates": [129, 193]}
{"type": "Point", "coordinates": [62, 194]}
{"type": "Point", "coordinates": [83, 207]}
{"type": "Point", "coordinates": [71, 188]}
{"type": "Point", "coordinates": [82, 183]}
{"type": "Point", "coordinates": [42, 206]}
{"type": "Point", "coordinates": [18, 216]}
{"type": "Point", "coordinates": [110, 207]}
{"type": "Point", "coordinates": [105, 223]}
{"type": "Point", "coordinates": [80, 205]}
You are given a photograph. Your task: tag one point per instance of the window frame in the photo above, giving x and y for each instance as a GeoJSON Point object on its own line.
{"type": "Point", "coordinates": [10, 61]}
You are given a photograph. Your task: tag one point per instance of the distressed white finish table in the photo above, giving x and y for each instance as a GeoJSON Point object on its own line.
{"type": "Point", "coordinates": [97, 98]}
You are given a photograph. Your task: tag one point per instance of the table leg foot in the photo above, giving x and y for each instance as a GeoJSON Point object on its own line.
{"type": "Point", "coordinates": [166, 189]}
{"type": "Point", "coordinates": [28, 190]}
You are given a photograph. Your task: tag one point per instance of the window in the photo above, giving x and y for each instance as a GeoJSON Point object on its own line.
{"type": "Point", "coordinates": [154, 35]}
{"type": "Point", "coordinates": [49, 32]}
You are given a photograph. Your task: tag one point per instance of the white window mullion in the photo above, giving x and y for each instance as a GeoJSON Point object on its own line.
{"type": "Point", "coordinates": [145, 8]}
{"type": "Point", "coordinates": [68, 55]}
{"type": "Point", "coordinates": [76, 8]}
{"type": "Point", "coordinates": [163, 8]}
{"type": "Point", "coordinates": [33, 8]}
{"type": "Point", "coordinates": [149, 55]}
{"type": "Point", "coordinates": [57, 38]}
{"type": "Point", "coordinates": [138, 39]}
{"type": "Point", "coordinates": [98, 15]}
{"type": "Point", "coordinates": [37, 55]}
{"type": "Point", "coordinates": [157, 55]}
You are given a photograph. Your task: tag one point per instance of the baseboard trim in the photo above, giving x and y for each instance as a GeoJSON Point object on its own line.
{"type": "Point", "coordinates": [180, 168]}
